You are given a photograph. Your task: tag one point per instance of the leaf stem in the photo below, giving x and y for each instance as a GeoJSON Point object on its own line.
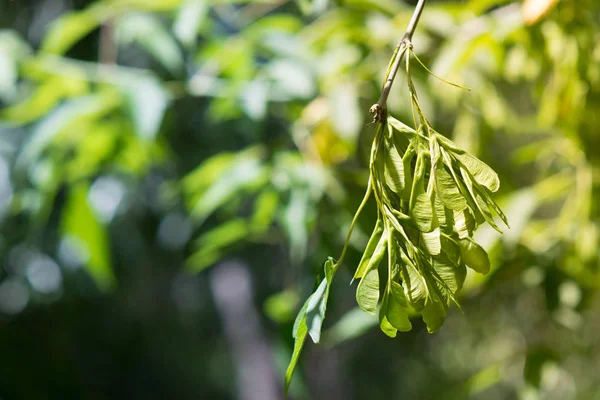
{"type": "Point", "coordinates": [379, 109]}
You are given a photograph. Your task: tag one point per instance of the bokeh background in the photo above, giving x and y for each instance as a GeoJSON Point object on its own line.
{"type": "Point", "coordinates": [173, 174]}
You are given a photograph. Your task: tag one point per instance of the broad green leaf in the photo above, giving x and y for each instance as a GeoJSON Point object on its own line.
{"type": "Point", "coordinates": [213, 244]}
{"type": "Point", "coordinates": [147, 101]}
{"type": "Point", "coordinates": [386, 327]}
{"type": "Point", "coordinates": [394, 168]}
{"type": "Point", "coordinates": [451, 249]}
{"type": "Point", "coordinates": [245, 173]}
{"type": "Point", "coordinates": [396, 308]}
{"type": "Point", "coordinates": [453, 275]}
{"type": "Point", "coordinates": [45, 98]}
{"type": "Point", "coordinates": [68, 113]}
{"type": "Point", "coordinates": [148, 31]}
{"type": "Point", "coordinates": [71, 27]}
{"type": "Point", "coordinates": [464, 223]}
{"type": "Point", "coordinates": [447, 191]}
{"type": "Point", "coordinates": [421, 208]}
{"type": "Point", "coordinates": [400, 127]}
{"type": "Point", "coordinates": [433, 314]}
{"type": "Point", "coordinates": [413, 283]}
{"type": "Point", "coordinates": [474, 256]}
{"type": "Point", "coordinates": [300, 338]}
{"type": "Point", "coordinates": [407, 159]}
{"type": "Point", "coordinates": [315, 310]}
{"type": "Point", "coordinates": [265, 208]}
{"type": "Point", "coordinates": [480, 204]}
{"type": "Point", "coordinates": [190, 17]}
{"type": "Point", "coordinates": [367, 292]}
{"type": "Point", "coordinates": [317, 303]}
{"type": "Point", "coordinates": [80, 222]}
{"type": "Point", "coordinates": [480, 171]}
{"type": "Point", "coordinates": [300, 318]}
{"type": "Point", "coordinates": [370, 249]}
{"type": "Point", "coordinates": [431, 241]}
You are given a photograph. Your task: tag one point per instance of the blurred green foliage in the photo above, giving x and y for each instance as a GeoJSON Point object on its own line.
{"type": "Point", "coordinates": [147, 145]}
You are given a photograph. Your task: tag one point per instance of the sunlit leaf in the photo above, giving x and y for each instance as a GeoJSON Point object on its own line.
{"type": "Point", "coordinates": [396, 309]}
{"type": "Point", "coordinates": [71, 27]}
{"type": "Point", "coordinates": [367, 292]}
{"type": "Point", "coordinates": [474, 256]}
{"type": "Point", "coordinates": [373, 245]}
{"type": "Point", "coordinates": [300, 338]}
{"type": "Point", "coordinates": [447, 191]}
{"type": "Point", "coordinates": [480, 171]}
{"type": "Point", "coordinates": [80, 222]}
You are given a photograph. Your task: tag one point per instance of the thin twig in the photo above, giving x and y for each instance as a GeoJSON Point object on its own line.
{"type": "Point", "coordinates": [378, 110]}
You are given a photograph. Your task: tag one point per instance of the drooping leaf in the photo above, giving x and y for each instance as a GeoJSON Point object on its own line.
{"type": "Point", "coordinates": [433, 314]}
{"type": "Point", "coordinates": [211, 245]}
{"type": "Point", "coordinates": [71, 27]}
{"type": "Point", "coordinates": [394, 168]}
{"type": "Point", "coordinates": [453, 275]}
{"type": "Point", "coordinates": [367, 292]}
{"type": "Point", "coordinates": [400, 127]}
{"type": "Point", "coordinates": [386, 327]}
{"type": "Point", "coordinates": [431, 241]}
{"type": "Point", "coordinates": [317, 304]}
{"type": "Point", "coordinates": [300, 338]}
{"type": "Point", "coordinates": [447, 191]}
{"type": "Point", "coordinates": [480, 171]}
{"type": "Point", "coordinates": [422, 209]}
{"type": "Point", "coordinates": [474, 256]}
{"type": "Point", "coordinates": [369, 251]}
{"type": "Point", "coordinates": [80, 223]}
{"type": "Point", "coordinates": [464, 223]}
{"type": "Point", "coordinates": [396, 308]}
{"type": "Point", "coordinates": [315, 310]}
{"type": "Point", "coordinates": [413, 284]}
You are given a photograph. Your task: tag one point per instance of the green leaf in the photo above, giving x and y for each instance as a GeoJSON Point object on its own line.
{"type": "Point", "coordinates": [190, 17]}
{"type": "Point", "coordinates": [71, 27]}
{"type": "Point", "coordinates": [300, 338]}
{"type": "Point", "coordinates": [148, 31]}
{"type": "Point", "coordinates": [81, 224]}
{"type": "Point", "coordinates": [400, 127]}
{"type": "Point", "coordinates": [300, 318]}
{"type": "Point", "coordinates": [480, 204]}
{"type": "Point", "coordinates": [452, 275]}
{"type": "Point", "coordinates": [213, 244]}
{"type": "Point", "coordinates": [146, 100]}
{"type": "Point", "coordinates": [317, 304]}
{"type": "Point", "coordinates": [481, 172]}
{"type": "Point", "coordinates": [421, 208]}
{"type": "Point", "coordinates": [464, 223]}
{"type": "Point", "coordinates": [474, 256]}
{"type": "Point", "coordinates": [246, 172]}
{"type": "Point", "coordinates": [431, 241]}
{"type": "Point", "coordinates": [447, 191]}
{"type": "Point", "coordinates": [396, 308]}
{"type": "Point", "coordinates": [413, 283]}
{"type": "Point", "coordinates": [433, 314]}
{"type": "Point", "coordinates": [265, 208]}
{"type": "Point", "coordinates": [315, 310]}
{"type": "Point", "coordinates": [394, 168]}
{"type": "Point", "coordinates": [367, 293]}
{"type": "Point", "coordinates": [386, 327]}
{"type": "Point", "coordinates": [370, 250]}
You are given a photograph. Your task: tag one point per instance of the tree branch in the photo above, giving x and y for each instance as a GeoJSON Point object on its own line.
{"type": "Point", "coordinates": [379, 109]}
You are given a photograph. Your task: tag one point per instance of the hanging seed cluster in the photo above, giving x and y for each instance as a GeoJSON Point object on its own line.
{"type": "Point", "coordinates": [431, 196]}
